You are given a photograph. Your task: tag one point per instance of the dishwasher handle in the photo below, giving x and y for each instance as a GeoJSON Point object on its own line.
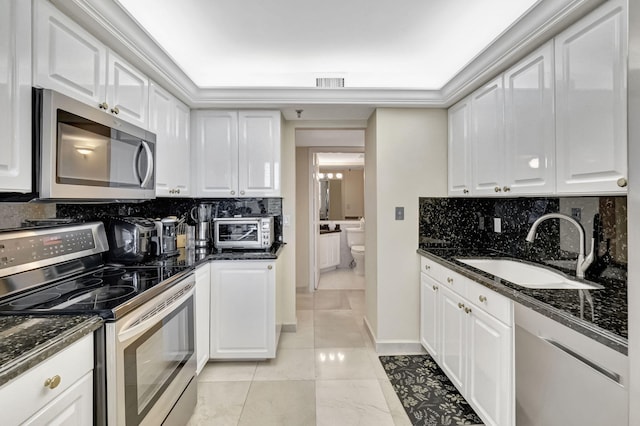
{"type": "Point", "coordinates": [600, 369]}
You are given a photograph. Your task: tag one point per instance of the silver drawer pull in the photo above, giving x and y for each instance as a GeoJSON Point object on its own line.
{"type": "Point", "coordinates": [467, 310]}
{"type": "Point", "coordinates": [435, 288]}
{"type": "Point", "coordinates": [605, 372]}
{"type": "Point", "coordinates": [482, 299]}
{"type": "Point", "coordinates": [449, 280]}
{"type": "Point", "coordinates": [460, 305]}
{"type": "Point", "coordinates": [427, 267]}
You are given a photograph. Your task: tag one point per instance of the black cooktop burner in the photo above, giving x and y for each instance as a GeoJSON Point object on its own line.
{"type": "Point", "coordinates": [97, 292]}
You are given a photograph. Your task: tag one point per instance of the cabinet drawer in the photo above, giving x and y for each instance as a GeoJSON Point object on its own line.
{"type": "Point", "coordinates": [491, 302]}
{"type": "Point", "coordinates": [70, 365]}
{"type": "Point", "coordinates": [435, 270]}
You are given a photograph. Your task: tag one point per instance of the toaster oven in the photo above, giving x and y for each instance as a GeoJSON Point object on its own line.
{"type": "Point", "coordinates": [243, 233]}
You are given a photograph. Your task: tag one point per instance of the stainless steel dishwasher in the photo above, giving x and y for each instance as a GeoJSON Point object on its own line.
{"type": "Point", "coordinates": [564, 377]}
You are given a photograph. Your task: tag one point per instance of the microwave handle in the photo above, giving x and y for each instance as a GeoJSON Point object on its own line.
{"type": "Point", "coordinates": [149, 173]}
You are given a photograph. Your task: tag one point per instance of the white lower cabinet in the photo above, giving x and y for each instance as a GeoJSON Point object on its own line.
{"type": "Point", "coordinates": [243, 310]}
{"type": "Point", "coordinates": [329, 250]}
{"type": "Point", "coordinates": [203, 297]}
{"type": "Point", "coordinates": [468, 330]}
{"type": "Point", "coordinates": [58, 391]}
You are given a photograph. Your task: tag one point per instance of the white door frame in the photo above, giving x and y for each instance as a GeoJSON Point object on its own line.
{"type": "Point", "coordinates": [314, 215]}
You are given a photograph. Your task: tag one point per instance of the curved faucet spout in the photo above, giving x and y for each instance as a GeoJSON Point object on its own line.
{"type": "Point", "coordinates": [582, 263]}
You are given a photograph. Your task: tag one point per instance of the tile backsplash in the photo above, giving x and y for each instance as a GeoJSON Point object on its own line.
{"type": "Point", "coordinates": [502, 224]}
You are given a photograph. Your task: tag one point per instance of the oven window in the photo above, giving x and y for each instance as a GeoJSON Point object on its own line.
{"type": "Point", "coordinates": [155, 359]}
{"type": "Point", "coordinates": [247, 231]}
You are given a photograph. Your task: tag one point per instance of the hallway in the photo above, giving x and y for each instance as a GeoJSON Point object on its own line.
{"type": "Point", "coordinates": [326, 373]}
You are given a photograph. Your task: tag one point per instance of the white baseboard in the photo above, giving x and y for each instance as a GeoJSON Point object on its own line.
{"type": "Point", "coordinates": [393, 347]}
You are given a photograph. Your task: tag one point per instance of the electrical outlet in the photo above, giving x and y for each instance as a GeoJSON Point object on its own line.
{"type": "Point", "coordinates": [481, 223]}
{"type": "Point", "coordinates": [497, 225]}
{"type": "Point", "coordinates": [399, 213]}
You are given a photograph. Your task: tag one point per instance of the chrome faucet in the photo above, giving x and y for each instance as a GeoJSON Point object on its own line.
{"type": "Point", "coordinates": [583, 263]}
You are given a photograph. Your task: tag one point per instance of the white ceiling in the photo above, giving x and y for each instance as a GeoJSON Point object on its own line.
{"type": "Point", "coordinates": [413, 44]}
{"type": "Point", "coordinates": [340, 159]}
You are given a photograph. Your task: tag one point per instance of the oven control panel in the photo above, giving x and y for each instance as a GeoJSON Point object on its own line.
{"type": "Point", "coordinates": [33, 248]}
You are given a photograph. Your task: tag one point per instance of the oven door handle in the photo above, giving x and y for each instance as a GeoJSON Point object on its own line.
{"type": "Point", "coordinates": [143, 322]}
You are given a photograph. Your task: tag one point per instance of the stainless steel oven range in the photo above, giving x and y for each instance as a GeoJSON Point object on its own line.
{"type": "Point", "coordinates": [145, 354]}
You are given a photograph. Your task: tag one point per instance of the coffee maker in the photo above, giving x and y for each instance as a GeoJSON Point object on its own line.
{"type": "Point", "coordinates": [166, 238]}
{"type": "Point", "coordinates": [201, 214]}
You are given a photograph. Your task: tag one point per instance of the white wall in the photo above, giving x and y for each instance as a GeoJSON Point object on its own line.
{"type": "Point", "coordinates": [286, 284]}
{"type": "Point", "coordinates": [405, 158]}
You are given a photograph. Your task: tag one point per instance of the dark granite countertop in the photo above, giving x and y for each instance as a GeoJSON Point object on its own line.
{"type": "Point", "coordinates": [25, 341]}
{"type": "Point", "coordinates": [329, 231]}
{"type": "Point", "coordinates": [604, 321]}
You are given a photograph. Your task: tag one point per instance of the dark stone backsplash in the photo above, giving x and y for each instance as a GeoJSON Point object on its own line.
{"type": "Point", "coordinates": [468, 223]}
{"type": "Point", "coordinates": [180, 207]}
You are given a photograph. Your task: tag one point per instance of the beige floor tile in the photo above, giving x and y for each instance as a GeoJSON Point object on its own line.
{"type": "Point", "coordinates": [289, 364]}
{"type": "Point", "coordinates": [344, 363]}
{"type": "Point", "coordinates": [302, 337]}
{"type": "Point", "coordinates": [377, 365]}
{"type": "Point", "coordinates": [399, 415]}
{"type": "Point", "coordinates": [331, 299]}
{"type": "Point", "coordinates": [304, 299]}
{"type": "Point", "coordinates": [280, 403]}
{"type": "Point", "coordinates": [219, 403]}
{"type": "Point", "coordinates": [227, 371]}
{"type": "Point", "coordinates": [341, 279]}
{"type": "Point", "coordinates": [351, 402]}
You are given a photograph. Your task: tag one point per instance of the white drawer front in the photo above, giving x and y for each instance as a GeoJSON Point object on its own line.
{"type": "Point", "coordinates": [27, 393]}
{"type": "Point", "coordinates": [491, 302]}
{"type": "Point", "coordinates": [441, 274]}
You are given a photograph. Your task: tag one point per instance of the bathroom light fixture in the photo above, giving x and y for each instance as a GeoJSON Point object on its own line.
{"type": "Point", "coordinates": [338, 175]}
{"type": "Point", "coordinates": [330, 175]}
{"type": "Point", "coordinates": [320, 175]}
{"type": "Point", "coordinates": [84, 150]}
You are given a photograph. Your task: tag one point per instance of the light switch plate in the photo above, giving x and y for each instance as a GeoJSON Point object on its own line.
{"type": "Point", "coordinates": [399, 213]}
{"type": "Point", "coordinates": [497, 225]}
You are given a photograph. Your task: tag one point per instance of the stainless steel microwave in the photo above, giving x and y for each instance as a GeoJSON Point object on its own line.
{"type": "Point", "coordinates": [243, 232]}
{"type": "Point", "coordinates": [87, 153]}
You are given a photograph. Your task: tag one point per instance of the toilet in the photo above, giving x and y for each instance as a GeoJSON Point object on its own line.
{"type": "Point", "coordinates": [355, 241]}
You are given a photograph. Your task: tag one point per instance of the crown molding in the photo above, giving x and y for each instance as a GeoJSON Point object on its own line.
{"type": "Point", "coordinates": [112, 25]}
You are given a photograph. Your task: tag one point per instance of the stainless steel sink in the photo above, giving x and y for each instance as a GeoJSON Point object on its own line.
{"type": "Point", "coordinates": [527, 275]}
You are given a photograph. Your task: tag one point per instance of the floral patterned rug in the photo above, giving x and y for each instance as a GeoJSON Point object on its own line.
{"type": "Point", "coordinates": [427, 394]}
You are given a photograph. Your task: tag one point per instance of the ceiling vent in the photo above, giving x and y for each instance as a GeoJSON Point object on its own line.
{"type": "Point", "coordinates": [329, 83]}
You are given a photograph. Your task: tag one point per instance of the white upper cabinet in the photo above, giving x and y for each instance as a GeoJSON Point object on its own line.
{"type": "Point", "coordinates": [127, 91]}
{"type": "Point", "coordinates": [169, 120]}
{"type": "Point", "coordinates": [530, 124]}
{"type": "Point", "coordinates": [459, 148]}
{"type": "Point", "coordinates": [487, 137]}
{"type": "Point", "coordinates": [215, 153]}
{"type": "Point", "coordinates": [237, 154]}
{"type": "Point", "coordinates": [15, 96]}
{"type": "Point", "coordinates": [68, 59]}
{"type": "Point", "coordinates": [259, 153]}
{"type": "Point", "coordinates": [591, 103]}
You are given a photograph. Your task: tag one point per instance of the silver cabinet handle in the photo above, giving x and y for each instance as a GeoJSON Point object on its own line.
{"type": "Point", "coordinates": [450, 280]}
{"type": "Point", "coordinates": [149, 173]}
{"type": "Point", "coordinates": [435, 288]}
{"type": "Point", "coordinates": [460, 305]}
{"type": "Point", "coordinates": [103, 105]}
{"type": "Point", "coordinates": [622, 182]}
{"type": "Point", "coordinates": [465, 191]}
{"type": "Point", "coordinates": [482, 299]}
{"type": "Point", "coordinates": [604, 371]}
{"type": "Point", "coordinates": [270, 267]}
{"type": "Point", "coordinates": [427, 267]}
{"type": "Point", "coordinates": [178, 190]}
{"type": "Point", "coordinates": [52, 382]}
{"type": "Point", "coordinates": [506, 189]}
{"type": "Point", "coordinates": [233, 192]}
{"type": "Point", "coordinates": [467, 310]}
{"type": "Point", "coordinates": [241, 192]}
{"type": "Point", "coordinates": [115, 110]}
{"type": "Point", "coordinates": [497, 189]}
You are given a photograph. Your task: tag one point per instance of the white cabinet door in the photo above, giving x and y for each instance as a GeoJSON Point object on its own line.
{"type": "Point", "coordinates": [487, 136]}
{"type": "Point", "coordinates": [67, 58]}
{"type": "Point", "coordinates": [15, 96]}
{"type": "Point", "coordinates": [328, 250]}
{"type": "Point", "coordinates": [429, 318]}
{"type": "Point", "coordinates": [216, 153]}
{"type": "Point", "coordinates": [243, 323]}
{"type": "Point", "coordinates": [73, 407]}
{"type": "Point", "coordinates": [530, 124]}
{"type": "Point", "coordinates": [453, 334]}
{"type": "Point", "coordinates": [169, 120]}
{"type": "Point", "coordinates": [127, 91]}
{"type": "Point", "coordinates": [259, 153]}
{"type": "Point", "coordinates": [591, 129]}
{"type": "Point", "coordinates": [203, 300]}
{"type": "Point", "coordinates": [459, 148]}
{"type": "Point", "coordinates": [489, 386]}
